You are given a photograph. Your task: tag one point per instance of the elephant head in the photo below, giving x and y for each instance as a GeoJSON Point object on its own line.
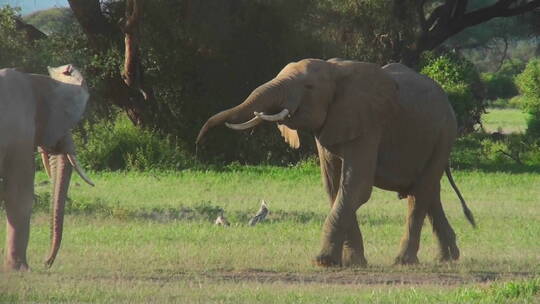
{"type": "Point", "coordinates": [337, 100]}
{"type": "Point", "coordinates": [58, 111]}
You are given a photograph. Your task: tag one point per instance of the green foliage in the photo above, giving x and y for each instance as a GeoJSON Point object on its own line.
{"type": "Point", "coordinates": [459, 78]}
{"type": "Point", "coordinates": [494, 152]}
{"type": "Point", "coordinates": [529, 86]}
{"type": "Point", "coordinates": [529, 83]}
{"type": "Point", "coordinates": [364, 30]}
{"type": "Point", "coordinates": [15, 49]}
{"type": "Point", "coordinates": [501, 84]}
{"type": "Point", "coordinates": [490, 43]}
{"type": "Point", "coordinates": [202, 68]}
{"type": "Point", "coordinates": [516, 102]}
{"type": "Point", "coordinates": [122, 146]}
{"type": "Point", "coordinates": [500, 103]}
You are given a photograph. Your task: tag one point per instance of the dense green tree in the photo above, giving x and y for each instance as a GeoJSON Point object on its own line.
{"type": "Point", "coordinates": [461, 81]}
{"type": "Point", "coordinates": [196, 68]}
{"type": "Point", "coordinates": [169, 64]}
{"type": "Point", "coordinates": [18, 42]}
{"type": "Point", "coordinates": [529, 86]}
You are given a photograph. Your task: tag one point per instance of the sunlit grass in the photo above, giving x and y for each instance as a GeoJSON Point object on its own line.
{"type": "Point", "coordinates": [124, 242]}
{"type": "Point", "coordinates": [505, 120]}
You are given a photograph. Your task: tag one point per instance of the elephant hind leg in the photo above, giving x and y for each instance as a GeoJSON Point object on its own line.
{"type": "Point", "coordinates": [448, 249]}
{"type": "Point", "coordinates": [410, 242]}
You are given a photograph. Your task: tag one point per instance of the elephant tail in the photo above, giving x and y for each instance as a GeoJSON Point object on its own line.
{"type": "Point", "coordinates": [466, 210]}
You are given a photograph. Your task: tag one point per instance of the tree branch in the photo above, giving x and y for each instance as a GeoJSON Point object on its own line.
{"type": "Point", "coordinates": [421, 14]}
{"type": "Point", "coordinates": [441, 25]}
{"type": "Point", "coordinates": [93, 23]}
{"type": "Point", "coordinates": [104, 35]}
{"type": "Point", "coordinates": [505, 53]}
{"type": "Point", "coordinates": [461, 7]}
{"type": "Point", "coordinates": [131, 53]}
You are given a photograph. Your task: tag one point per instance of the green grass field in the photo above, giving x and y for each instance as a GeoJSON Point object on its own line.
{"type": "Point", "coordinates": [150, 237]}
{"type": "Point", "coordinates": [509, 120]}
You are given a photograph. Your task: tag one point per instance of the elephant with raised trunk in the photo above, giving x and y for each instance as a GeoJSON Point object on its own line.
{"type": "Point", "coordinates": [387, 127]}
{"type": "Point", "coordinates": [37, 111]}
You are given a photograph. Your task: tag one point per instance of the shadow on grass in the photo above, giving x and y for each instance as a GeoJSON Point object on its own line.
{"type": "Point", "coordinates": [203, 211]}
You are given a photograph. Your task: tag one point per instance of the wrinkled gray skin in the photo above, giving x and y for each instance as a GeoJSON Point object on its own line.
{"type": "Point", "coordinates": [36, 111]}
{"type": "Point", "coordinates": [387, 127]}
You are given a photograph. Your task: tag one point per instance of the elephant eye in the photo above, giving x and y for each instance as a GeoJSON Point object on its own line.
{"type": "Point", "coordinates": [309, 86]}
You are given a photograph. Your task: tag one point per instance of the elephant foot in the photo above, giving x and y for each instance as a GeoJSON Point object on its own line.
{"type": "Point", "coordinates": [449, 253]}
{"type": "Point", "coordinates": [405, 259]}
{"type": "Point", "coordinates": [16, 266]}
{"type": "Point", "coordinates": [353, 258]}
{"type": "Point", "coordinates": [326, 260]}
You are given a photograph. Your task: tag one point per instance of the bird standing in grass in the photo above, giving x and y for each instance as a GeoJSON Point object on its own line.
{"type": "Point", "coordinates": [261, 214]}
{"type": "Point", "coordinates": [221, 220]}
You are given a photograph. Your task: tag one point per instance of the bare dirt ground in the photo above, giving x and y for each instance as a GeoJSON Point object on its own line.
{"type": "Point", "coordinates": [353, 277]}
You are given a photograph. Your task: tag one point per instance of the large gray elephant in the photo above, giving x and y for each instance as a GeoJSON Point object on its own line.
{"type": "Point", "coordinates": [37, 111]}
{"type": "Point", "coordinates": [387, 127]}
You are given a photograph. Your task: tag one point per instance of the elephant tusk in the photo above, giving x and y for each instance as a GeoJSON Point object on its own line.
{"type": "Point", "coordinates": [73, 161]}
{"type": "Point", "coordinates": [46, 164]}
{"type": "Point", "coordinates": [246, 125]}
{"type": "Point", "coordinates": [276, 117]}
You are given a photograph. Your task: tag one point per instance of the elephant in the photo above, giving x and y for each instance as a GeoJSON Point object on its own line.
{"type": "Point", "coordinates": [387, 127]}
{"type": "Point", "coordinates": [37, 111]}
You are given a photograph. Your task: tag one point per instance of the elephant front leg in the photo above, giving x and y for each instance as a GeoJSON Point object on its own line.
{"type": "Point", "coordinates": [342, 243]}
{"type": "Point", "coordinates": [353, 247]}
{"type": "Point", "coordinates": [18, 195]}
{"type": "Point", "coordinates": [335, 231]}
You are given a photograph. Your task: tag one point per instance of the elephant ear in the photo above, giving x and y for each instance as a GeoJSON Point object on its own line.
{"type": "Point", "coordinates": [365, 98]}
{"type": "Point", "coordinates": [60, 107]}
{"type": "Point", "coordinates": [290, 136]}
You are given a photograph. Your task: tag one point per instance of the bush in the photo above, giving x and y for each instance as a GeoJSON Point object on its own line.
{"type": "Point", "coordinates": [516, 102]}
{"type": "Point", "coordinates": [513, 152]}
{"type": "Point", "coordinates": [121, 146]}
{"type": "Point", "coordinates": [15, 48]}
{"type": "Point", "coordinates": [458, 77]}
{"type": "Point", "coordinates": [528, 83]}
{"type": "Point", "coordinates": [501, 84]}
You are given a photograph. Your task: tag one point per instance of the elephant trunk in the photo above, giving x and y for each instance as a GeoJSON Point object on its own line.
{"type": "Point", "coordinates": [266, 97]}
{"type": "Point", "coordinates": [59, 165]}
{"type": "Point", "coordinates": [61, 174]}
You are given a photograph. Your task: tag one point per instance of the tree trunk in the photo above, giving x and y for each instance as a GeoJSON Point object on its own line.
{"type": "Point", "coordinates": [125, 89]}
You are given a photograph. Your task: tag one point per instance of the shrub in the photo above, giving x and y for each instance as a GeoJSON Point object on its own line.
{"type": "Point", "coordinates": [16, 50]}
{"type": "Point", "coordinates": [501, 84]}
{"type": "Point", "coordinates": [512, 152]}
{"type": "Point", "coordinates": [528, 83]}
{"type": "Point", "coordinates": [516, 102]}
{"type": "Point", "coordinates": [458, 77]}
{"type": "Point", "coordinates": [122, 146]}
